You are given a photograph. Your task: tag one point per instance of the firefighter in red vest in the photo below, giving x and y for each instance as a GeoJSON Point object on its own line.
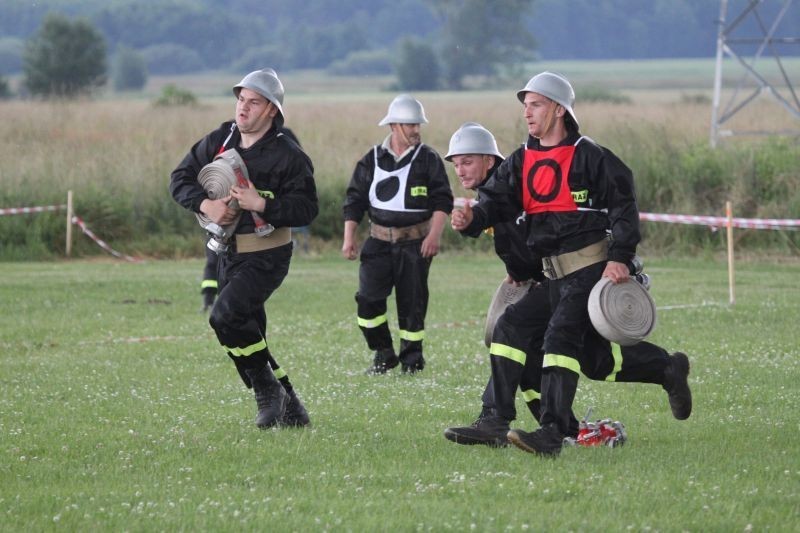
{"type": "Point", "coordinates": [573, 193]}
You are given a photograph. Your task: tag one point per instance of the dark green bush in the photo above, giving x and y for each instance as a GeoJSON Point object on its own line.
{"type": "Point", "coordinates": [172, 95]}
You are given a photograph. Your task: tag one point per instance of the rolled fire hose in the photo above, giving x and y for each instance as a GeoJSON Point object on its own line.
{"type": "Point", "coordinates": [623, 313]}
{"type": "Point", "coordinates": [217, 178]}
{"type": "Point", "coordinates": [505, 295]}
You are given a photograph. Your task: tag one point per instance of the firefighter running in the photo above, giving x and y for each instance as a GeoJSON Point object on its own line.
{"type": "Point", "coordinates": [572, 191]}
{"type": "Point", "coordinates": [282, 192]}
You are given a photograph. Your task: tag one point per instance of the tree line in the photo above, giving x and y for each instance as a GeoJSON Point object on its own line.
{"type": "Point", "coordinates": [427, 44]}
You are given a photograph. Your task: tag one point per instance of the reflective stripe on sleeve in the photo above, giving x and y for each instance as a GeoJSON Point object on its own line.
{"type": "Point", "coordinates": [209, 284]}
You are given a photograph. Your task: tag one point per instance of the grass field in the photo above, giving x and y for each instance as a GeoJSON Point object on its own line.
{"type": "Point", "coordinates": [119, 411]}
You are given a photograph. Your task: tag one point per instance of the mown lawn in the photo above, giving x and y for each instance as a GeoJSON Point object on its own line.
{"type": "Point", "coordinates": [119, 411]}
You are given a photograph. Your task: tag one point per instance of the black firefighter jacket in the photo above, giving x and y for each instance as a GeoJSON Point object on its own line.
{"type": "Point", "coordinates": [427, 171]}
{"type": "Point", "coordinates": [608, 205]}
{"type": "Point", "coordinates": [279, 169]}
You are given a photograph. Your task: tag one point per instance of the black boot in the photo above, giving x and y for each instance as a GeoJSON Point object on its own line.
{"type": "Point", "coordinates": [489, 429]}
{"type": "Point", "coordinates": [384, 361]}
{"type": "Point", "coordinates": [296, 414]}
{"type": "Point", "coordinates": [676, 383]}
{"type": "Point", "coordinates": [415, 367]}
{"type": "Point", "coordinates": [413, 363]}
{"type": "Point", "coordinates": [546, 441]}
{"type": "Point", "coordinates": [271, 398]}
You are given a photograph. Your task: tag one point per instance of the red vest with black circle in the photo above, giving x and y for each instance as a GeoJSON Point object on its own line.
{"type": "Point", "coordinates": [545, 180]}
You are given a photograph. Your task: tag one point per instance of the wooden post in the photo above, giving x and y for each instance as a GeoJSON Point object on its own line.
{"type": "Point", "coordinates": [69, 223]}
{"type": "Point", "coordinates": [729, 214]}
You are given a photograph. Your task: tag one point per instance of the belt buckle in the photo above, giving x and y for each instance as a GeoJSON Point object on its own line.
{"type": "Point", "coordinates": [551, 267]}
{"type": "Point", "coordinates": [548, 268]}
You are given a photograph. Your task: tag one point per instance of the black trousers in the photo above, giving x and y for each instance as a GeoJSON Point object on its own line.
{"type": "Point", "coordinates": [517, 357]}
{"type": "Point", "coordinates": [210, 273]}
{"type": "Point", "coordinates": [238, 318]}
{"type": "Point", "coordinates": [400, 266]}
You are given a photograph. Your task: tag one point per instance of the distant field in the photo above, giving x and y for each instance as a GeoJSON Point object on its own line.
{"type": "Point", "coordinates": [654, 74]}
{"type": "Point", "coordinates": [120, 412]}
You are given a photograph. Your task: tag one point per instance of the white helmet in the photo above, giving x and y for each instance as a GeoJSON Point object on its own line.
{"type": "Point", "coordinates": [266, 83]}
{"type": "Point", "coordinates": [404, 109]}
{"type": "Point", "coordinates": [472, 138]}
{"type": "Point", "coordinates": [555, 87]}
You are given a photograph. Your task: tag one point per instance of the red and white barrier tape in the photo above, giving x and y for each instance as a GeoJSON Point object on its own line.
{"type": "Point", "coordinates": [26, 210]}
{"type": "Point", "coordinates": [100, 242]}
{"type": "Point", "coordinates": [722, 222]}
{"type": "Point", "coordinates": [713, 222]}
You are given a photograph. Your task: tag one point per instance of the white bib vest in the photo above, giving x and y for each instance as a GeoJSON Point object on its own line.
{"type": "Point", "coordinates": [397, 201]}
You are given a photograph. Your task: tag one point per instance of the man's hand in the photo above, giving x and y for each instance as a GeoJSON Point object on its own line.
{"type": "Point", "coordinates": [430, 244]}
{"type": "Point", "coordinates": [218, 210]}
{"type": "Point", "coordinates": [616, 272]}
{"type": "Point", "coordinates": [350, 249]}
{"type": "Point", "coordinates": [512, 281]}
{"type": "Point", "coordinates": [349, 243]}
{"type": "Point", "coordinates": [248, 198]}
{"type": "Point", "coordinates": [461, 218]}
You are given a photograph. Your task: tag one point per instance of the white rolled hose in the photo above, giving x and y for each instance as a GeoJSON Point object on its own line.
{"type": "Point", "coordinates": [217, 178]}
{"type": "Point", "coordinates": [505, 295]}
{"type": "Point", "coordinates": [623, 313]}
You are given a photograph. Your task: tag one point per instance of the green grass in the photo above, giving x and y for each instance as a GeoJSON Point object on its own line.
{"type": "Point", "coordinates": [119, 411]}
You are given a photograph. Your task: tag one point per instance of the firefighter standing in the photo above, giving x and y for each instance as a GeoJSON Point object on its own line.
{"type": "Point", "coordinates": [283, 193]}
{"type": "Point", "coordinates": [572, 191]}
{"type": "Point", "coordinates": [402, 185]}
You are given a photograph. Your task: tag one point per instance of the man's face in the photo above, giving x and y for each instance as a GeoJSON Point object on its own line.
{"type": "Point", "coordinates": [254, 113]}
{"type": "Point", "coordinates": [407, 134]}
{"type": "Point", "coordinates": [539, 114]}
{"type": "Point", "coordinates": [472, 169]}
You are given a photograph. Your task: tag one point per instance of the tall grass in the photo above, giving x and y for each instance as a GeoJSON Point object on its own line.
{"type": "Point", "coordinates": [116, 155]}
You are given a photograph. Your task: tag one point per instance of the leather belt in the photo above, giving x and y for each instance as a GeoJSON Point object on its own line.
{"type": "Point", "coordinates": [407, 233]}
{"type": "Point", "coordinates": [250, 242]}
{"type": "Point", "coordinates": [560, 266]}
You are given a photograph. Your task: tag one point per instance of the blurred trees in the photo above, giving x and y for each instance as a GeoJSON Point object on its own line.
{"type": "Point", "coordinates": [481, 37]}
{"type": "Point", "coordinates": [5, 90]}
{"type": "Point", "coordinates": [129, 71]}
{"type": "Point", "coordinates": [417, 67]}
{"type": "Point", "coordinates": [469, 36]}
{"type": "Point", "coordinates": [65, 58]}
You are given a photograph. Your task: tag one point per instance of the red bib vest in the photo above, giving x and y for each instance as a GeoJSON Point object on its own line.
{"type": "Point", "coordinates": [545, 180]}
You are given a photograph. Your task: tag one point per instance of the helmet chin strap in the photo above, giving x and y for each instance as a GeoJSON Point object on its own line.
{"type": "Point", "coordinates": [404, 137]}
